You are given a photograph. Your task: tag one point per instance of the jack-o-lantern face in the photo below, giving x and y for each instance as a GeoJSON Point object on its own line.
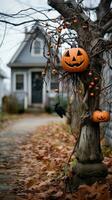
{"type": "Point", "coordinates": [75, 60]}
{"type": "Point", "coordinates": [100, 116]}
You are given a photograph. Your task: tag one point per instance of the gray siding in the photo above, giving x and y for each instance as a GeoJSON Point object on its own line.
{"type": "Point", "coordinates": [24, 96]}
{"type": "Point", "coordinates": [26, 57]}
{"type": "Point", "coordinates": [21, 95]}
{"type": "Point", "coordinates": [106, 102]}
{"type": "Point", "coordinates": [24, 61]}
{"type": "Point", "coordinates": [1, 91]}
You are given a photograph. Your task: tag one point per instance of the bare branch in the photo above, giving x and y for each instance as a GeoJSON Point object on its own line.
{"type": "Point", "coordinates": [107, 16]}
{"type": "Point", "coordinates": [3, 35]}
{"type": "Point", "coordinates": [107, 26]}
{"type": "Point", "coordinates": [105, 45]}
{"type": "Point", "coordinates": [103, 8]}
{"type": "Point", "coordinates": [90, 8]}
{"type": "Point", "coordinates": [109, 30]}
{"type": "Point", "coordinates": [22, 13]}
{"type": "Point", "coordinates": [15, 14]}
{"type": "Point", "coordinates": [62, 8]}
{"type": "Point", "coordinates": [17, 24]}
{"type": "Point", "coordinates": [69, 8]}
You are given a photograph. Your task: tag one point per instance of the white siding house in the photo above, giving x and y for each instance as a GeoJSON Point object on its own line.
{"type": "Point", "coordinates": [27, 66]}
{"type": "Point", "coordinates": [2, 77]}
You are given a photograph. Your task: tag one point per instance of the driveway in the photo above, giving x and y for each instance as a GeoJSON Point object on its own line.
{"type": "Point", "coordinates": [11, 138]}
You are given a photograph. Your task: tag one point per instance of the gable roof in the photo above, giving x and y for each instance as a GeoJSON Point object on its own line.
{"type": "Point", "coordinates": [36, 30]}
{"type": "Point", "coordinates": [28, 36]}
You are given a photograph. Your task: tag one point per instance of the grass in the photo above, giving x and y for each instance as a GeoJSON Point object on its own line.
{"type": "Point", "coordinates": [107, 150]}
{"type": "Point", "coordinates": [5, 118]}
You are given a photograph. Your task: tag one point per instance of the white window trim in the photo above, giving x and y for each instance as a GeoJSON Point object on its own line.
{"type": "Point", "coordinates": [41, 48]}
{"type": "Point", "coordinates": [24, 81]}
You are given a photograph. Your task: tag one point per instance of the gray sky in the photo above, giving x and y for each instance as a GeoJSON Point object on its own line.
{"type": "Point", "coordinates": [14, 35]}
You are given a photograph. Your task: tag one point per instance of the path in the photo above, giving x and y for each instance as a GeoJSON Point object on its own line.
{"type": "Point", "coordinates": [10, 140]}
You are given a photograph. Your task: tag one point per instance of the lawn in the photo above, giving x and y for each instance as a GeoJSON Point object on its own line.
{"type": "Point", "coordinates": [5, 119]}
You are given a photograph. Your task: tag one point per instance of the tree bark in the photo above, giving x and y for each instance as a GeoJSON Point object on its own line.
{"type": "Point", "coordinates": [89, 167]}
{"type": "Point", "coordinates": [88, 148]}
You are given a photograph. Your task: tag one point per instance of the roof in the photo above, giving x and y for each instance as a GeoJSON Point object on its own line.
{"type": "Point", "coordinates": [28, 36]}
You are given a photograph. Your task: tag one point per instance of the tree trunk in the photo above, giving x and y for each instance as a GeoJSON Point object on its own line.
{"type": "Point", "coordinates": [88, 148]}
{"type": "Point", "coordinates": [89, 167]}
{"type": "Point", "coordinates": [74, 114]}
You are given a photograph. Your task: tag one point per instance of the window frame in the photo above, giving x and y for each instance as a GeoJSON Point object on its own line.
{"type": "Point", "coordinates": [33, 44]}
{"type": "Point", "coordinates": [53, 80]}
{"type": "Point", "coordinates": [15, 80]}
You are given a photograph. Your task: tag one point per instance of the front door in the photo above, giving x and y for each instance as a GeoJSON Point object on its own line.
{"type": "Point", "coordinates": [37, 84]}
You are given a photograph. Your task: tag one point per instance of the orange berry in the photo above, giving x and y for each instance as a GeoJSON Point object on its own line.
{"type": "Point", "coordinates": [43, 73]}
{"type": "Point", "coordinates": [97, 88]}
{"type": "Point", "coordinates": [91, 94]}
{"type": "Point", "coordinates": [48, 53]}
{"type": "Point", "coordinates": [75, 20]}
{"type": "Point", "coordinates": [84, 26]}
{"type": "Point", "coordinates": [90, 73]}
{"type": "Point", "coordinates": [56, 90]}
{"type": "Point", "coordinates": [95, 78]}
{"type": "Point", "coordinates": [90, 86]}
{"type": "Point", "coordinates": [54, 71]}
{"type": "Point", "coordinates": [92, 83]}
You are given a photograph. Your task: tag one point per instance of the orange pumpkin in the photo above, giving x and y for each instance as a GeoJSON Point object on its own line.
{"type": "Point", "coordinates": [75, 60]}
{"type": "Point", "coordinates": [100, 116]}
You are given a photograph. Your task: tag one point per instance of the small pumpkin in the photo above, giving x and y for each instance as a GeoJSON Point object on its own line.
{"type": "Point", "coordinates": [100, 116]}
{"type": "Point", "coordinates": [75, 60]}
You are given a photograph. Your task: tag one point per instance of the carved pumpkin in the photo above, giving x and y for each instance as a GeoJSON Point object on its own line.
{"type": "Point", "coordinates": [100, 116]}
{"type": "Point", "coordinates": [75, 60]}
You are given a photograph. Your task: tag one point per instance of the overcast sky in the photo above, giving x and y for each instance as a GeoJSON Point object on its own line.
{"type": "Point", "coordinates": [14, 35]}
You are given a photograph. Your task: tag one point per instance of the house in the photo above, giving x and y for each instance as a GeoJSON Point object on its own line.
{"type": "Point", "coordinates": [27, 66]}
{"type": "Point", "coordinates": [2, 77]}
{"type": "Point", "coordinates": [106, 100]}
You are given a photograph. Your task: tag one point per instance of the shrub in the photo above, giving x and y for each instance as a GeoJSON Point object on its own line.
{"type": "Point", "coordinates": [49, 109]}
{"type": "Point", "coordinates": [12, 105]}
{"type": "Point", "coordinates": [63, 101]}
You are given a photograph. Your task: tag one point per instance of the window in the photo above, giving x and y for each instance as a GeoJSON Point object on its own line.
{"type": "Point", "coordinates": [54, 82]}
{"type": "Point", "coordinates": [37, 47]}
{"type": "Point", "coordinates": [19, 81]}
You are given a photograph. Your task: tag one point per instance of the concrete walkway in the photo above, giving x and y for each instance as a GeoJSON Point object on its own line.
{"type": "Point", "coordinates": [11, 139]}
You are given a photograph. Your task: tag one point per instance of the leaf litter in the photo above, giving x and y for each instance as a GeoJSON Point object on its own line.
{"type": "Point", "coordinates": [44, 168]}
